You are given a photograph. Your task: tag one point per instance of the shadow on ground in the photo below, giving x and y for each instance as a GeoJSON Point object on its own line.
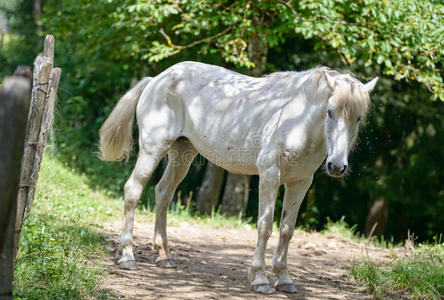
{"type": "Point", "coordinates": [212, 264]}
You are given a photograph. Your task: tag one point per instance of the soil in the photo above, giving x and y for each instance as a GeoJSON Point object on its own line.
{"type": "Point", "coordinates": [212, 263]}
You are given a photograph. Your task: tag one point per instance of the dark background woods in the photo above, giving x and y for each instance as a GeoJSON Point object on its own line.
{"type": "Point", "coordinates": [104, 46]}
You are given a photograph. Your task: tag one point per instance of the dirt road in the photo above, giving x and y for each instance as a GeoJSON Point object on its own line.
{"type": "Point", "coordinates": [212, 264]}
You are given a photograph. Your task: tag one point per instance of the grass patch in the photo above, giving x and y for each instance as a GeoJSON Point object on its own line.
{"type": "Point", "coordinates": [420, 276]}
{"type": "Point", "coordinates": [59, 239]}
{"type": "Point", "coordinates": [178, 213]}
{"type": "Point", "coordinates": [341, 228]}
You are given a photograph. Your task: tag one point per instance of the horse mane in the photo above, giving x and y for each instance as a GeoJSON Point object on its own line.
{"type": "Point", "coordinates": [348, 96]}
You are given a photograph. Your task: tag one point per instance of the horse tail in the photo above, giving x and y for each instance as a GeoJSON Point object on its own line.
{"type": "Point", "coordinates": [116, 134]}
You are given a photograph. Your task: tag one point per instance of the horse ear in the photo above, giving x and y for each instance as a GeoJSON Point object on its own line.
{"type": "Point", "coordinates": [331, 82]}
{"type": "Point", "coordinates": [369, 86]}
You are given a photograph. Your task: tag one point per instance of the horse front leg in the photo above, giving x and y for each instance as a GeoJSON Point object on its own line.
{"type": "Point", "coordinates": [294, 195]}
{"type": "Point", "coordinates": [269, 181]}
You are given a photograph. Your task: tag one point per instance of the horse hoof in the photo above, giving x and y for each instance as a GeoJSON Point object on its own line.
{"type": "Point", "coordinates": [263, 288]}
{"type": "Point", "coordinates": [287, 288]}
{"type": "Point", "coordinates": [128, 265]}
{"type": "Point", "coordinates": [166, 263]}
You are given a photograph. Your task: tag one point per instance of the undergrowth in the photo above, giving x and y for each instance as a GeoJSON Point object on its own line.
{"type": "Point", "coordinates": [418, 276]}
{"type": "Point", "coordinates": [60, 240]}
{"type": "Point", "coordinates": [343, 229]}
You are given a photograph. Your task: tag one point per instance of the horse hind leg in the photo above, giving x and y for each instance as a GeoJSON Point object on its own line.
{"type": "Point", "coordinates": [180, 157]}
{"type": "Point", "coordinates": [145, 166]}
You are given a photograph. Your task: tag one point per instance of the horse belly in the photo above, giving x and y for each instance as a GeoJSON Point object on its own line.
{"type": "Point", "coordinates": [229, 156]}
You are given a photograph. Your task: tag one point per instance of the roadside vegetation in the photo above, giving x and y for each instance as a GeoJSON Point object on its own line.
{"type": "Point", "coordinates": [342, 228]}
{"type": "Point", "coordinates": [416, 273]}
{"type": "Point", "coordinates": [419, 275]}
{"type": "Point", "coordinates": [61, 238]}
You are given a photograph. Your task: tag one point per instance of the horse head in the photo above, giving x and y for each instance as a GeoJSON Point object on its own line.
{"type": "Point", "coordinates": [347, 108]}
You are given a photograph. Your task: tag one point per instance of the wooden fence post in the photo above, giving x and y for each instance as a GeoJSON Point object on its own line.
{"type": "Point", "coordinates": [40, 118]}
{"type": "Point", "coordinates": [14, 105]}
{"type": "Point", "coordinates": [45, 130]}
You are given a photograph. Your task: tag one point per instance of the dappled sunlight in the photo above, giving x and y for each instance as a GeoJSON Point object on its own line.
{"type": "Point", "coordinates": [213, 263]}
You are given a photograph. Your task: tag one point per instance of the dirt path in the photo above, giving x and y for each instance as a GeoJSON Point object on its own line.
{"type": "Point", "coordinates": [212, 264]}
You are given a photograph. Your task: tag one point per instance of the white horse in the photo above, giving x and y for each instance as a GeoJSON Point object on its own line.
{"type": "Point", "coordinates": [281, 127]}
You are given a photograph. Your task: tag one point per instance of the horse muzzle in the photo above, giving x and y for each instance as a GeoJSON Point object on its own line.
{"type": "Point", "coordinates": [336, 169]}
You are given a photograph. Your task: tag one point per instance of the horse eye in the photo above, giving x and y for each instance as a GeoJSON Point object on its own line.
{"type": "Point", "coordinates": [330, 113]}
{"type": "Point", "coordinates": [359, 119]}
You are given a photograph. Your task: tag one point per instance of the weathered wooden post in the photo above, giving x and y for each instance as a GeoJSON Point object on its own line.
{"type": "Point", "coordinates": [14, 105]}
{"type": "Point", "coordinates": [41, 115]}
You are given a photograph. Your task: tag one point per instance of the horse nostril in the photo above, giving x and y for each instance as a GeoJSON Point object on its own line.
{"type": "Point", "coordinates": [343, 169]}
{"type": "Point", "coordinates": [329, 166]}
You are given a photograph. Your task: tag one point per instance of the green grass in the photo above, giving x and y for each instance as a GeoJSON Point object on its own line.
{"type": "Point", "coordinates": [60, 243]}
{"type": "Point", "coordinates": [178, 213]}
{"type": "Point", "coordinates": [418, 277]}
{"type": "Point", "coordinates": [341, 228]}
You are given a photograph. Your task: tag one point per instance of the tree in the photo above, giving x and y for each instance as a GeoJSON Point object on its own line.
{"type": "Point", "coordinates": [400, 35]}
{"type": "Point", "coordinates": [210, 189]}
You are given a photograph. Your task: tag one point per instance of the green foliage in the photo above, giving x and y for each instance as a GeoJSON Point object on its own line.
{"type": "Point", "coordinates": [179, 213]}
{"type": "Point", "coordinates": [420, 276]}
{"type": "Point", "coordinates": [21, 43]}
{"type": "Point", "coordinates": [404, 37]}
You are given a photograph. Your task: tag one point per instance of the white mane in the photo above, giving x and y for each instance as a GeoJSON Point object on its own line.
{"type": "Point", "coordinates": [348, 94]}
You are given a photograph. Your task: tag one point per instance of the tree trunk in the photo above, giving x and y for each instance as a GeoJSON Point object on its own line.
{"type": "Point", "coordinates": [209, 192]}
{"type": "Point", "coordinates": [235, 199]}
{"type": "Point", "coordinates": [376, 218]}
{"type": "Point", "coordinates": [257, 53]}
{"type": "Point", "coordinates": [37, 12]}
{"type": "Point", "coordinates": [14, 105]}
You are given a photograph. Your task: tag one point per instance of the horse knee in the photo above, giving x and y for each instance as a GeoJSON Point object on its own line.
{"type": "Point", "coordinates": [132, 192]}
{"type": "Point", "coordinates": [265, 230]}
{"type": "Point", "coordinates": [286, 234]}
